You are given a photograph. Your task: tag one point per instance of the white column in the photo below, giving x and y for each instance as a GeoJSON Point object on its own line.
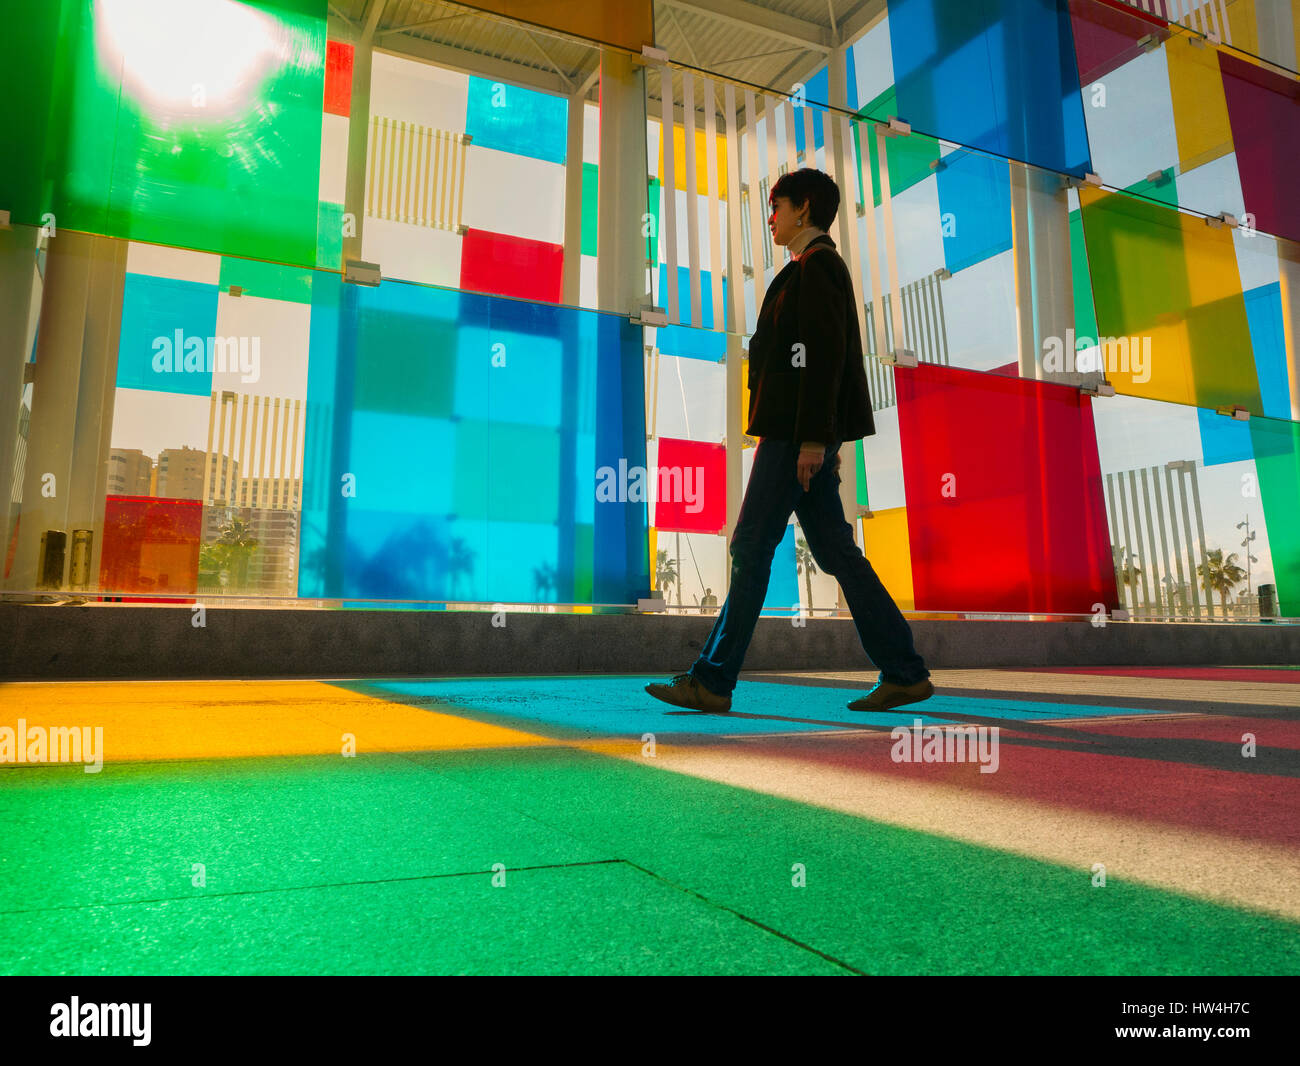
{"type": "Point", "coordinates": [621, 194]}
{"type": "Point", "coordinates": [573, 203]}
{"type": "Point", "coordinates": [359, 130]}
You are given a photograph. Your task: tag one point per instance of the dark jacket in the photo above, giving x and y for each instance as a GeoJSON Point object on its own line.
{"type": "Point", "coordinates": [810, 301]}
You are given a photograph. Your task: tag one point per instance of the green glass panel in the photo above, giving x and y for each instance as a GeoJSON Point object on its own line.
{"type": "Point", "coordinates": [911, 158]}
{"type": "Point", "coordinates": [271, 281]}
{"type": "Point", "coordinates": [1163, 189]}
{"type": "Point", "coordinates": [197, 127]}
{"type": "Point", "coordinates": [1277, 460]}
{"type": "Point", "coordinates": [1085, 315]}
{"type": "Point", "coordinates": [590, 173]}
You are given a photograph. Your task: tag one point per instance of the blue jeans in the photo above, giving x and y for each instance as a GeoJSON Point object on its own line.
{"type": "Point", "coordinates": [774, 491]}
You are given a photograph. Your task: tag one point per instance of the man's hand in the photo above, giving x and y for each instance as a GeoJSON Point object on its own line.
{"type": "Point", "coordinates": [810, 461]}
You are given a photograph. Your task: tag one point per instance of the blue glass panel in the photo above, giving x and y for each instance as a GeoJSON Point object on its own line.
{"type": "Point", "coordinates": [999, 75]}
{"type": "Point", "coordinates": [975, 190]}
{"type": "Point", "coordinates": [163, 322]}
{"type": "Point", "coordinates": [452, 447]}
{"type": "Point", "coordinates": [513, 119]}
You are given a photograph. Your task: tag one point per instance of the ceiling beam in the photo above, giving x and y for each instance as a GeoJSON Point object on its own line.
{"type": "Point", "coordinates": [861, 19]}
{"type": "Point", "coordinates": [751, 16]}
{"type": "Point", "coordinates": [473, 63]}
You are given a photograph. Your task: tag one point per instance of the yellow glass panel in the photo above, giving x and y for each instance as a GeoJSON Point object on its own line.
{"type": "Point", "coordinates": [890, 553]}
{"type": "Point", "coordinates": [1200, 108]}
{"type": "Point", "coordinates": [701, 161]}
{"type": "Point", "coordinates": [1241, 22]}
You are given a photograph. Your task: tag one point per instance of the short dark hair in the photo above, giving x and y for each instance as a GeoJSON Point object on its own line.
{"type": "Point", "coordinates": [813, 187]}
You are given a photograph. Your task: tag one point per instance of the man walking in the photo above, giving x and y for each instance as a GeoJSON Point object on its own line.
{"type": "Point", "coordinates": [808, 394]}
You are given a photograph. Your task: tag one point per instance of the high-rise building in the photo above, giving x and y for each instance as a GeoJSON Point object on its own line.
{"type": "Point", "coordinates": [130, 473]}
{"type": "Point", "coordinates": [180, 473]}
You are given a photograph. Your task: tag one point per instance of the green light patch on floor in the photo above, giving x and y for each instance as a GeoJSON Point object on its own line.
{"type": "Point", "coordinates": [878, 898]}
{"type": "Point", "coordinates": [601, 919]}
{"type": "Point", "coordinates": [135, 832]}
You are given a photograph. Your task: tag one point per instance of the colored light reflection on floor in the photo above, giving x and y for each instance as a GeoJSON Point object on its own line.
{"type": "Point", "coordinates": [574, 825]}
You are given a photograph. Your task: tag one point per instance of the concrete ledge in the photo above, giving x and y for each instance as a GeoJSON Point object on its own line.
{"type": "Point", "coordinates": [69, 643]}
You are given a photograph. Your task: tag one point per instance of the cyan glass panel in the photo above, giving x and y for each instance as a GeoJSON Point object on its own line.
{"type": "Point", "coordinates": [168, 327]}
{"type": "Point", "coordinates": [511, 118]}
{"type": "Point", "coordinates": [1223, 439]}
{"type": "Point", "coordinates": [999, 75]}
{"type": "Point", "coordinates": [783, 587]}
{"type": "Point", "coordinates": [454, 446]}
{"type": "Point", "coordinates": [1264, 313]}
{"type": "Point", "coordinates": [693, 343]}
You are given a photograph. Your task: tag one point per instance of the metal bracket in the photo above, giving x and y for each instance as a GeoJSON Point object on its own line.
{"type": "Point", "coordinates": [649, 316]}
{"type": "Point", "coordinates": [900, 357]}
{"type": "Point", "coordinates": [359, 273]}
{"type": "Point", "coordinates": [1241, 414]}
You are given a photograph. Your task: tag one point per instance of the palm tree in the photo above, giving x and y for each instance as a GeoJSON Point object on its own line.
{"type": "Point", "coordinates": [543, 579]}
{"type": "Point", "coordinates": [459, 560]}
{"type": "Point", "coordinates": [806, 565]}
{"type": "Point", "coordinates": [1219, 574]}
{"type": "Point", "coordinates": [665, 572]}
{"type": "Point", "coordinates": [226, 558]}
{"type": "Point", "coordinates": [1126, 570]}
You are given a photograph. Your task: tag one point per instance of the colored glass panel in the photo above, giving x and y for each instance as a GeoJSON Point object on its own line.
{"type": "Point", "coordinates": [150, 545]}
{"type": "Point", "coordinates": [1200, 106]}
{"type": "Point", "coordinates": [185, 126]}
{"type": "Point", "coordinates": [701, 342]}
{"type": "Point", "coordinates": [465, 447]}
{"type": "Point", "coordinates": [998, 75]}
{"type": "Point", "coordinates": [691, 486]}
{"type": "Point", "coordinates": [911, 158]}
{"type": "Point", "coordinates": [271, 281]}
{"type": "Point", "coordinates": [1167, 290]}
{"type": "Point", "coordinates": [975, 207]}
{"type": "Point", "coordinates": [338, 78]}
{"type": "Point", "coordinates": [1106, 36]}
{"type": "Point", "coordinates": [1265, 118]}
{"type": "Point", "coordinates": [1004, 501]}
{"type": "Point", "coordinates": [166, 340]}
{"type": "Point", "coordinates": [701, 161]}
{"type": "Point", "coordinates": [513, 119]}
{"type": "Point", "coordinates": [887, 546]}
{"type": "Point", "coordinates": [1277, 460]}
{"type": "Point", "coordinates": [511, 266]}
{"type": "Point", "coordinates": [783, 583]}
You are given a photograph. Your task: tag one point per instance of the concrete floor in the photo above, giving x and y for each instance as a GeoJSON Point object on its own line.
{"type": "Point", "coordinates": [1129, 821]}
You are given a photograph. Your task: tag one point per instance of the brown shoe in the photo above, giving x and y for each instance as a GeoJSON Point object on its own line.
{"type": "Point", "coordinates": [886, 696]}
{"type": "Point", "coordinates": [685, 690]}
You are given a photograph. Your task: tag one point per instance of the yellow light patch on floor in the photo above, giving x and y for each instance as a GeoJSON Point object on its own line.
{"type": "Point", "coordinates": [1115, 687]}
{"type": "Point", "coordinates": [237, 719]}
{"type": "Point", "coordinates": [1197, 863]}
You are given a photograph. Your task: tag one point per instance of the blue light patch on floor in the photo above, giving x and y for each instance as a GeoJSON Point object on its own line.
{"type": "Point", "coordinates": [619, 706]}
